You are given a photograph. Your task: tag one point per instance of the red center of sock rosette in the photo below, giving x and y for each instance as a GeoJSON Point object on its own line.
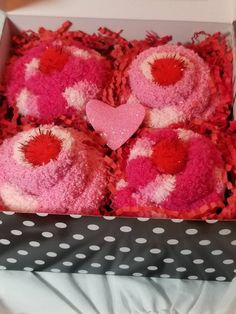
{"type": "Point", "coordinates": [53, 59]}
{"type": "Point", "coordinates": [42, 148]}
{"type": "Point", "coordinates": [167, 71]}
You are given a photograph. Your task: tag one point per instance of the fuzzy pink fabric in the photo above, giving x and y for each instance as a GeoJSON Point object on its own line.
{"type": "Point", "coordinates": [199, 183]}
{"type": "Point", "coordinates": [190, 95]}
{"type": "Point", "coordinates": [73, 183]}
{"type": "Point", "coordinates": [48, 95]}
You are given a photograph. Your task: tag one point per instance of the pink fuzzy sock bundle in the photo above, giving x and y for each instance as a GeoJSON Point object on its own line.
{"type": "Point", "coordinates": [174, 169]}
{"type": "Point", "coordinates": [52, 169]}
{"type": "Point", "coordinates": [55, 78]}
{"type": "Point", "coordinates": [175, 82]}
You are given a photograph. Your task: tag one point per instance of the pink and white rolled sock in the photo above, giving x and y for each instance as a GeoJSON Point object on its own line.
{"type": "Point", "coordinates": [52, 169]}
{"type": "Point", "coordinates": [174, 83]}
{"type": "Point", "coordinates": [175, 170]}
{"type": "Point", "coordinates": [55, 78]}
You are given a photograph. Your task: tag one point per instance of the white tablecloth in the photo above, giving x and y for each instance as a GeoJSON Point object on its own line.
{"type": "Point", "coordinates": [48, 293]}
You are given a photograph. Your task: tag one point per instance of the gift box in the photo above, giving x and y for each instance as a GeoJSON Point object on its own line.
{"type": "Point", "coordinates": [176, 248]}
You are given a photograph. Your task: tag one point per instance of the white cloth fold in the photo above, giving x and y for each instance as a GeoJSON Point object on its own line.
{"type": "Point", "coordinates": [48, 293]}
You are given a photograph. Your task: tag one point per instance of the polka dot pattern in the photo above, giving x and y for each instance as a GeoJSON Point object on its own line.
{"type": "Point", "coordinates": [118, 246]}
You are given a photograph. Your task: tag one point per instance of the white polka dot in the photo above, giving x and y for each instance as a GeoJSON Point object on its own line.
{"type": "Point", "coordinates": [109, 257]}
{"type": "Point", "coordinates": [177, 220]}
{"type": "Point", "coordinates": [22, 252]}
{"type": "Point", "coordinates": [0, 222]}
{"type": "Point", "coordinates": [94, 248]}
{"type": "Point", "coordinates": [181, 269]}
{"type": "Point", "coordinates": [138, 259]}
{"type": "Point", "coordinates": [80, 256]}
{"type": "Point", "coordinates": [186, 252]}
{"type": "Point", "coordinates": [125, 249]}
{"type": "Point", "coordinates": [51, 254]}
{"type": "Point", "coordinates": [211, 221]}
{"type": "Point", "coordinates": [210, 270]}
{"type": "Point", "coordinates": [76, 216]}
{"type": "Point", "coordinates": [216, 252]}
{"type": "Point", "coordinates": [228, 261]}
{"type": "Point", "coordinates": [168, 260]}
{"type": "Point", "coordinates": [2, 267]}
{"type": "Point", "coordinates": [28, 268]}
{"type": "Point", "coordinates": [93, 227]}
{"type": "Point", "coordinates": [42, 214]}
{"type": "Point", "coordinates": [60, 225]}
{"type": "Point", "coordinates": [96, 265]}
{"type": "Point", "coordinates": [143, 219]}
{"type": "Point", "coordinates": [82, 271]}
{"type": "Point", "coordinates": [125, 229]}
{"type": "Point", "coordinates": [204, 242]}
{"type": "Point", "coordinates": [152, 268]}
{"type": "Point", "coordinates": [110, 272]}
{"type": "Point", "coordinates": [109, 239]}
{"type": "Point", "coordinates": [155, 251]}
{"type": "Point", "coordinates": [224, 231]}
{"type": "Point", "coordinates": [55, 270]}
{"type": "Point", "coordinates": [233, 242]}
{"type": "Point", "coordinates": [221, 278]}
{"type": "Point", "coordinates": [124, 266]}
{"type": "Point", "coordinates": [137, 274]}
{"type": "Point", "coordinates": [78, 236]}
{"type": "Point", "coordinates": [64, 246]}
{"type": "Point", "coordinates": [140, 240]}
{"type": "Point", "coordinates": [234, 270]}
{"type": "Point", "coordinates": [16, 232]}
{"type": "Point", "coordinates": [11, 260]}
{"type": "Point", "coordinates": [191, 231]}
{"type": "Point", "coordinates": [34, 243]}
{"type": "Point", "coordinates": [28, 223]}
{"type": "Point", "coordinates": [8, 213]}
{"type": "Point", "coordinates": [67, 263]}
{"type": "Point", "coordinates": [5, 241]}
{"type": "Point", "coordinates": [47, 234]}
{"type": "Point", "coordinates": [158, 230]}
{"type": "Point", "coordinates": [193, 277]}
{"type": "Point", "coordinates": [172, 241]}
{"type": "Point", "coordinates": [39, 262]}
{"type": "Point", "coordinates": [109, 217]}
{"type": "Point", "coordinates": [198, 261]}
{"type": "Point", "coordinates": [165, 276]}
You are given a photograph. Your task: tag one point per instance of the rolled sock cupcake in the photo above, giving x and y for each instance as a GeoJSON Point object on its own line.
{"type": "Point", "coordinates": [177, 170]}
{"type": "Point", "coordinates": [174, 82]}
{"type": "Point", "coordinates": [52, 169]}
{"type": "Point", "coordinates": [55, 78]}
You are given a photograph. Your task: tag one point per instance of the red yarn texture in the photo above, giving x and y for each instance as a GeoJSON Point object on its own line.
{"type": "Point", "coordinates": [42, 148]}
{"type": "Point", "coordinates": [53, 59]}
{"type": "Point", "coordinates": [170, 156]}
{"type": "Point", "coordinates": [167, 71]}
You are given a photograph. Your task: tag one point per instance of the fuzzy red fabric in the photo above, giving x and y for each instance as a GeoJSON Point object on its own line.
{"type": "Point", "coordinates": [53, 59]}
{"type": "Point", "coordinates": [170, 156]}
{"type": "Point", "coordinates": [167, 71]}
{"type": "Point", "coordinates": [42, 148]}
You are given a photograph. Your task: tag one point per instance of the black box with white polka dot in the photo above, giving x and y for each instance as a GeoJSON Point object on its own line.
{"type": "Point", "coordinates": [118, 246]}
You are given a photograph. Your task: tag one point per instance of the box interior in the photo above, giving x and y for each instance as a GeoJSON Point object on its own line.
{"type": "Point", "coordinates": [190, 10]}
{"type": "Point", "coordinates": [133, 29]}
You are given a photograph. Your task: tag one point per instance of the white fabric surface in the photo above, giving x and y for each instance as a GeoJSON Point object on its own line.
{"type": "Point", "coordinates": [48, 293]}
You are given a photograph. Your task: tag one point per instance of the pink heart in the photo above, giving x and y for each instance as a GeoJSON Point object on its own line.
{"type": "Point", "coordinates": [116, 124]}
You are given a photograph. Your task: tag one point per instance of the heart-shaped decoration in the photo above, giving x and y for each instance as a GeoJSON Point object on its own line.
{"type": "Point", "coordinates": [118, 124]}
